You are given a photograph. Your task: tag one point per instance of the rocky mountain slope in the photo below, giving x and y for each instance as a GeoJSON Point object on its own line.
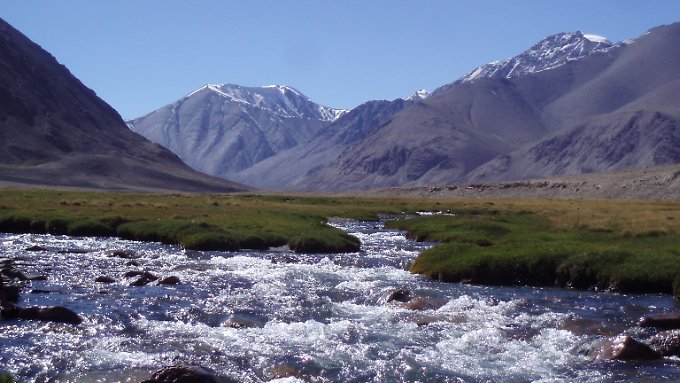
{"type": "Point", "coordinates": [568, 105]}
{"type": "Point", "coordinates": [626, 116]}
{"type": "Point", "coordinates": [54, 131]}
{"type": "Point", "coordinates": [224, 129]}
{"type": "Point", "coordinates": [289, 169]}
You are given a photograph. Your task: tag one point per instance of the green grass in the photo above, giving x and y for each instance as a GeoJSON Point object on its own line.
{"type": "Point", "coordinates": [199, 222]}
{"type": "Point", "coordinates": [622, 245]}
{"type": "Point", "coordinates": [506, 247]}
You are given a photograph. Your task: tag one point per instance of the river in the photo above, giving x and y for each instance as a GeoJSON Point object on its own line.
{"type": "Point", "coordinates": [252, 316]}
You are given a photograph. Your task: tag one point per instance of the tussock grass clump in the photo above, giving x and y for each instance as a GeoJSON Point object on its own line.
{"type": "Point", "coordinates": [340, 243]}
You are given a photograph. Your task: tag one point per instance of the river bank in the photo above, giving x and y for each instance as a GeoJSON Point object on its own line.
{"type": "Point", "coordinates": [627, 246]}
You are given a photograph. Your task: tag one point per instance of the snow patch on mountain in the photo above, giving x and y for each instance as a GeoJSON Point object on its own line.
{"type": "Point", "coordinates": [597, 38]}
{"type": "Point", "coordinates": [550, 52]}
{"type": "Point", "coordinates": [282, 100]}
{"type": "Point", "coordinates": [418, 95]}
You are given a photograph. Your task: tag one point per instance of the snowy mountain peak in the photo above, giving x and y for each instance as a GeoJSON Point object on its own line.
{"type": "Point", "coordinates": [282, 100]}
{"type": "Point", "coordinates": [418, 95]}
{"type": "Point", "coordinates": [597, 39]}
{"type": "Point", "coordinates": [550, 52]}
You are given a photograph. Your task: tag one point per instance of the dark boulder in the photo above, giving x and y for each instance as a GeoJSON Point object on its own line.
{"type": "Point", "coordinates": [141, 281]}
{"type": "Point", "coordinates": [143, 274]}
{"type": "Point", "coordinates": [48, 314]}
{"type": "Point", "coordinates": [670, 321]}
{"type": "Point", "coordinates": [667, 343]}
{"type": "Point", "coordinates": [171, 280]}
{"type": "Point", "coordinates": [399, 295]}
{"type": "Point", "coordinates": [181, 374]}
{"type": "Point", "coordinates": [623, 348]}
{"type": "Point", "coordinates": [104, 279]}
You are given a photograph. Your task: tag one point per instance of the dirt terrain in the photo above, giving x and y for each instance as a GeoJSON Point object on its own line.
{"type": "Point", "coordinates": [658, 183]}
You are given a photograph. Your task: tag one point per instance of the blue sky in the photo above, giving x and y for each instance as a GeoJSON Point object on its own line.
{"type": "Point", "coordinates": [140, 55]}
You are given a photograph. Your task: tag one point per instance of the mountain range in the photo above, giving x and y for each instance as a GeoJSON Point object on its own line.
{"type": "Point", "coordinates": [54, 131]}
{"type": "Point", "coordinates": [572, 103]}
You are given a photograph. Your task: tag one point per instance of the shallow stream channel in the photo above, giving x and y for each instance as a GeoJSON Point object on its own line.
{"type": "Point", "coordinates": [257, 316]}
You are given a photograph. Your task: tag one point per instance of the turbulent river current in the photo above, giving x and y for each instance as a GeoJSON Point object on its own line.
{"type": "Point", "coordinates": [252, 316]}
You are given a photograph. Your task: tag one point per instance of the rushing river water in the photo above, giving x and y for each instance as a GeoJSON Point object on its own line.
{"type": "Point", "coordinates": [278, 316]}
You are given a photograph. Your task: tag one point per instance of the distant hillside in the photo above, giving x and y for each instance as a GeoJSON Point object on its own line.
{"type": "Point", "coordinates": [54, 131]}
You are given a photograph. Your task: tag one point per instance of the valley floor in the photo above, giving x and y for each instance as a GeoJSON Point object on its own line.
{"type": "Point", "coordinates": [658, 183]}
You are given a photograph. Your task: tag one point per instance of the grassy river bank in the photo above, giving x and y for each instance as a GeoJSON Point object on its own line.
{"type": "Point", "coordinates": [627, 246]}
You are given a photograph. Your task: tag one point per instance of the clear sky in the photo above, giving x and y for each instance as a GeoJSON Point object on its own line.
{"type": "Point", "coordinates": [139, 55]}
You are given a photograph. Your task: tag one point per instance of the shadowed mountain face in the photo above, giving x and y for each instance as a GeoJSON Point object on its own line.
{"type": "Point", "coordinates": [55, 131]}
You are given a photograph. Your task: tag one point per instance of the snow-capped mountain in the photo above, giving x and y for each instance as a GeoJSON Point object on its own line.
{"type": "Point", "coordinates": [222, 129]}
{"type": "Point", "coordinates": [550, 52]}
{"type": "Point", "coordinates": [418, 95]}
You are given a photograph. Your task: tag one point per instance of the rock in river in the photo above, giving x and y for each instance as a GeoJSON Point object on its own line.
{"type": "Point", "coordinates": [623, 347]}
{"type": "Point", "coordinates": [48, 314]}
{"type": "Point", "coordinates": [171, 280]}
{"type": "Point", "coordinates": [181, 374]}
{"type": "Point", "coordinates": [669, 321]}
{"type": "Point", "coordinates": [104, 279]}
{"type": "Point", "coordinates": [667, 342]}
